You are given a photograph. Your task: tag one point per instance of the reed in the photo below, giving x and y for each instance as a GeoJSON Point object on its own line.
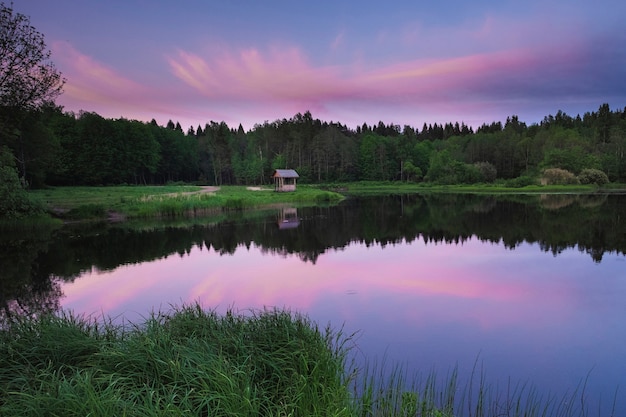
{"type": "Point", "coordinates": [381, 389]}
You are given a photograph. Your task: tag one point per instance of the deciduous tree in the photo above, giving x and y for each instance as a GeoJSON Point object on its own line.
{"type": "Point", "coordinates": [28, 79]}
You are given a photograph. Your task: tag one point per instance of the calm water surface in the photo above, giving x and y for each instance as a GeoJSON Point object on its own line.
{"type": "Point", "coordinates": [532, 289]}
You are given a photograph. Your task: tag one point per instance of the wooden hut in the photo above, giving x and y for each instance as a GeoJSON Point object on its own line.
{"type": "Point", "coordinates": [285, 179]}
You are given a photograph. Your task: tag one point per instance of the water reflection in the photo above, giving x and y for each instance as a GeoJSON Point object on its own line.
{"type": "Point", "coordinates": [534, 286]}
{"type": "Point", "coordinates": [288, 218]}
{"type": "Point", "coordinates": [528, 316]}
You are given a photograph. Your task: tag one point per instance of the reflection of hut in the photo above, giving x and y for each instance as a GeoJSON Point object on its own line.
{"type": "Point", "coordinates": [288, 218]}
{"type": "Point", "coordinates": [285, 179]}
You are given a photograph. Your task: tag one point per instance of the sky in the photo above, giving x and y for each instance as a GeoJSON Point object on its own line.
{"type": "Point", "coordinates": [404, 62]}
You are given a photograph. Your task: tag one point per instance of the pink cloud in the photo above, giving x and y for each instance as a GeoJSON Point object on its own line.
{"type": "Point", "coordinates": [285, 75]}
{"type": "Point", "coordinates": [94, 86]}
{"type": "Point", "coordinates": [501, 70]}
{"type": "Point", "coordinates": [281, 74]}
{"type": "Point", "coordinates": [88, 81]}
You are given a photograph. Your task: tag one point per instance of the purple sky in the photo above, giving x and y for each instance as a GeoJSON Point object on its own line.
{"type": "Point", "coordinates": [402, 62]}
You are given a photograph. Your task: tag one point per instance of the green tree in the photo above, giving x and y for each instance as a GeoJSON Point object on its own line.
{"type": "Point", "coordinates": [14, 200]}
{"type": "Point", "coordinates": [279, 162]}
{"type": "Point", "coordinates": [420, 155]}
{"type": "Point", "coordinates": [444, 169]}
{"type": "Point", "coordinates": [39, 148]}
{"type": "Point", "coordinates": [411, 172]}
{"type": "Point", "coordinates": [369, 167]}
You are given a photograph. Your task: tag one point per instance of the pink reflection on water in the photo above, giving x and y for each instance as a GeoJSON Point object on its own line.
{"type": "Point", "coordinates": [479, 283]}
{"type": "Point", "coordinates": [529, 315]}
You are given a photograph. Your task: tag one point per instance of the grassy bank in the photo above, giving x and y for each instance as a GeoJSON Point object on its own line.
{"type": "Point", "coordinates": [196, 363]}
{"type": "Point", "coordinates": [377, 188]}
{"type": "Point", "coordinates": [118, 202]}
{"type": "Point", "coordinates": [126, 202]}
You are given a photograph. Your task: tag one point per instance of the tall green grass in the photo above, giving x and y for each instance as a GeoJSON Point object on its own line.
{"type": "Point", "coordinates": [193, 362]}
{"type": "Point", "coordinates": [188, 362]}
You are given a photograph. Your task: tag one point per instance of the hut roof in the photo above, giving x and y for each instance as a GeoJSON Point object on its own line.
{"type": "Point", "coordinates": [286, 173]}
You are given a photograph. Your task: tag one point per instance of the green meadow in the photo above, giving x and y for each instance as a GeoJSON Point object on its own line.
{"type": "Point", "coordinates": [120, 202]}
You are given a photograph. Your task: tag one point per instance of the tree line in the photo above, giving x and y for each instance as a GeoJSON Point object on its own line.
{"type": "Point", "coordinates": [63, 148]}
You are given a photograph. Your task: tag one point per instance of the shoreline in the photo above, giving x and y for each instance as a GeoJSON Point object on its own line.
{"type": "Point", "coordinates": [122, 203]}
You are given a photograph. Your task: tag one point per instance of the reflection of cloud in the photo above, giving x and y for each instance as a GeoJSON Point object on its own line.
{"type": "Point", "coordinates": [475, 282]}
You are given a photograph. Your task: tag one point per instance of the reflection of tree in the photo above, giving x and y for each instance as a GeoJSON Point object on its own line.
{"type": "Point", "coordinates": [593, 224]}
{"type": "Point", "coordinates": [25, 287]}
{"type": "Point", "coordinates": [32, 300]}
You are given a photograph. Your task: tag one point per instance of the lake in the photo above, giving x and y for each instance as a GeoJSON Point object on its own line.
{"type": "Point", "coordinates": [525, 289]}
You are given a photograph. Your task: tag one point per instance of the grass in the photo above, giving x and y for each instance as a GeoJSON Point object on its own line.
{"type": "Point", "coordinates": [168, 201]}
{"type": "Point", "coordinates": [375, 187]}
{"type": "Point", "coordinates": [196, 363]}
{"type": "Point", "coordinates": [189, 362]}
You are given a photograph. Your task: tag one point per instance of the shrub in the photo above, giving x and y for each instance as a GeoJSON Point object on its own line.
{"type": "Point", "coordinates": [521, 181]}
{"type": "Point", "coordinates": [558, 176]}
{"type": "Point", "coordinates": [593, 176]}
{"type": "Point", "coordinates": [14, 200]}
{"type": "Point", "coordinates": [487, 170]}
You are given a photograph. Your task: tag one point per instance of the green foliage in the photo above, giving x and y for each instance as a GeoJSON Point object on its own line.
{"type": "Point", "coordinates": [66, 149]}
{"type": "Point", "coordinates": [446, 170]}
{"type": "Point", "coordinates": [14, 200]}
{"type": "Point", "coordinates": [187, 362]}
{"type": "Point", "coordinates": [372, 157]}
{"type": "Point", "coordinates": [411, 172]}
{"type": "Point", "coordinates": [572, 159]}
{"type": "Point", "coordinates": [593, 176]}
{"type": "Point", "coordinates": [487, 170]}
{"type": "Point", "coordinates": [558, 176]}
{"type": "Point", "coordinates": [521, 181]}
{"type": "Point", "coordinates": [279, 162]}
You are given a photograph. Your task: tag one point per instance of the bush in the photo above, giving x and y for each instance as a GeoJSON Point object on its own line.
{"type": "Point", "coordinates": [521, 181]}
{"type": "Point", "coordinates": [14, 200]}
{"type": "Point", "coordinates": [593, 176]}
{"type": "Point", "coordinates": [487, 170]}
{"type": "Point", "coordinates": [558, 176]}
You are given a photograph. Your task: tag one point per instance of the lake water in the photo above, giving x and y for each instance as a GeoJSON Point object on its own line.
{"type": "Point", "coordinates": [530, 288]}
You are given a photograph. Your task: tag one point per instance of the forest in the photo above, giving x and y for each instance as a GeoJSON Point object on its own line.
{"type": "Point", "coordinates": [53, 147]}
